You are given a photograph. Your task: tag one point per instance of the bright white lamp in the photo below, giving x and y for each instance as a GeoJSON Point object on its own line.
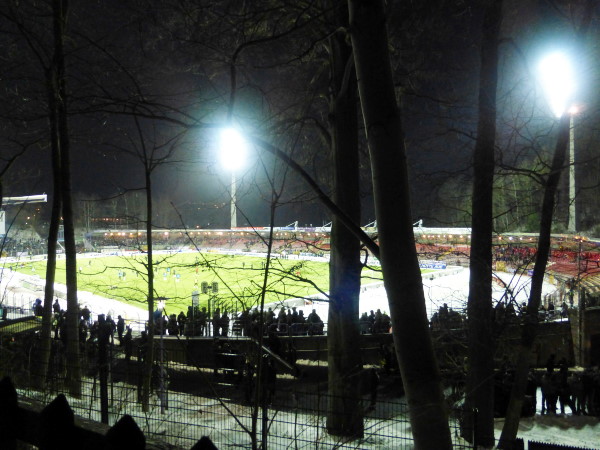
{"type": "Point", "coordinates": [558, 81]}
{"type": "Point", "coordinates": [233, 149]}
{"type": "Point", "coordinates": [233, 156]}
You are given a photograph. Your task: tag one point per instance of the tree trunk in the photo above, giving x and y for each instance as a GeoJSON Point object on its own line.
{"type": "Point", "coordinates": [43, 356]}
{"type": "Point", "coordinates": [513, 415]}
{"type": "Point", "coordinates": [149, 351]}
{"type": "Point", "coordinates": [344, 412]}
{"type": "Point", "coordinates": [401, 273]}
{"type": "Point", "coordinates": [480, 375]}
{"type": "Point", "coordinates": [73, 375]}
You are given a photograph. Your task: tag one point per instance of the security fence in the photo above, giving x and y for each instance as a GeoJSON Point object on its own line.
{"type": "Point", "coordinates": [292, 420]}
{"type": "Point", "coordinates": [188, 403]}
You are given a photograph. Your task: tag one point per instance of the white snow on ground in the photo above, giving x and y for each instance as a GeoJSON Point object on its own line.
{"type": "Point", "coordinates": [450, 286]}
{"type": "Point", "coordinates": [563, 429]}
{"type": "Point", "coordinates": [579, 431]}
{"type": "Point", "coordinates": [14, 293]}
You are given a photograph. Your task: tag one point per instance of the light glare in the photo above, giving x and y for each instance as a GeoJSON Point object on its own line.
{"type": "Point", "coordinates": [233, 149]}
{"type": "Point", "coordinates": [558, 82]}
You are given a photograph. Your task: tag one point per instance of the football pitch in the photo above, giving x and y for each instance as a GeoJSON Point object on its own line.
{"type": "Point", "coordinates": [239, 279]}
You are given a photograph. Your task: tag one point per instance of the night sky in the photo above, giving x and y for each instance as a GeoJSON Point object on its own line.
{"type": "Point", "coordinates": [170, 64]}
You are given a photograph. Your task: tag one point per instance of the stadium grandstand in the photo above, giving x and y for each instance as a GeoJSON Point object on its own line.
{"type": "Point", "coordinates": [448, 244]}
{"type": "Point", "coordinates": [286, 240]}
{"type": "Point", "coordinates": [435, 242]}
{"type": "Point", "coordinates": [574, 260]}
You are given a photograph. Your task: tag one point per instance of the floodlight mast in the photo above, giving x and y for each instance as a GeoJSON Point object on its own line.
{"type": "Point", "coordinates": [558, 80]}
{"type": "Point", "coordinates": [572, 224]}
{"type": "Point", "coordinates": [233, 155]}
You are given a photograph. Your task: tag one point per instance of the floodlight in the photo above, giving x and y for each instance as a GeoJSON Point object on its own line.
{"type": "Point", "coordinates": [233, 149]}
{"type": "Point", "coordinates": [558, 81]}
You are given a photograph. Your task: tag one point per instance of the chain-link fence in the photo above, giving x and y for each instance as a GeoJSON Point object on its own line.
{"type": "Point", "coordinates": [187, 402]}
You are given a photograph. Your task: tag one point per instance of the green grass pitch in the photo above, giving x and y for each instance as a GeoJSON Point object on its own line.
{"type": "Point", "coordinates": [240, 278]}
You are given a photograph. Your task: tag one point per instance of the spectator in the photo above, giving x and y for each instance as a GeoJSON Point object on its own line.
{"type": "Point", "coordinates": [365, 324]}
{"type": "Point", "coordinates": [120, 328]}
{"type": "Point", "coordinates": [113, 326]}
{"type": "Point", "coordinates": [86, 314]}
{"type": "Point", "coordinates": [372, 319]}
{"type": "Point", "coordinates": [38, 309]}
{"type": "Point", "coordinates": [550, 310]}
{"type": "Point", "coordinates": [224, 323]}
{"type": "Point", "coordinates": [128, 344]}
{"type": "Point", "coordinates": [378, 324]}
{"type": "Point", "coordinates": [202, 320]}
{"type": "Point", "coordinates": [216, 322]}
{"type": "Point", "coordinates": [172, 326]}
{"type": "Point", "coordinates": [270, 317]}
{"type": "Point", "coordinates": [315, 324]}
{"type": "Point", "coordinates": [294, 316]}
{"type": "Point", "coordinates": [386, 323]}
{"type": "Point", "coordinates": [282, 320]}
{"type": "Point", "coordinates": [564, 310]}
{"type": "Point", "coordinates": [301, 318]}
{"type": "Point", "coordinates": [181, 320]}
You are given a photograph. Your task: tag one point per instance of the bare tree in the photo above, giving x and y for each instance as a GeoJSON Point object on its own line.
{"type": "Point", "coordinates": [402, 276]}
{"type": "Point", "coordinates": [59, 91]}
{"type": "Point", "coordinates": [40, 373]}
{"type": "Point", "coordinates": [151, 154]}
{"type": "Point", "coordinates": [45, 41]}
{"type": "Point", "coordinates": [480, 374]}
{"type": "Point", "coordinates": [345, 412]}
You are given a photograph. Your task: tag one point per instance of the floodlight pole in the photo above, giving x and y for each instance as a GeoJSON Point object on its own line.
{"type": "Point", "coordinates": [558, 81]}
{"type": "Point", "coordinates": [233, 201]}
{"type": "Point", "coordinates": [572, 224]}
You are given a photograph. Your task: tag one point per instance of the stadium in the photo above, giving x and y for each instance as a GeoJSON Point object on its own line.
{"type": "Point", "coordinates": [444, 257]}
{"type": "Point", "coordinates": [438, 249]}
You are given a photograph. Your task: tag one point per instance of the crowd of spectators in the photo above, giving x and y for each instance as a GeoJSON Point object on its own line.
{"type": "Point", "coordinates": [18, 247]}
{"type": "Point", "coordinates": [226, 241]}
{"type": "Point", "coordinates": [286, 322]}
{"type": "Point", "coordinates": [375, 322]}
{"type": "Point", "coordinates": [564, 390]}
{"type": "Point", "coordinates": [446, 318]}
{"type": "Point", "coordinates": [504, 312]}
{"type": "Point", "coordinates": [91, 331]}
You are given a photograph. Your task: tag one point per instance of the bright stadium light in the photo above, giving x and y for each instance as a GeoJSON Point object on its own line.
{"type": "Point", "coordinates": [233, 149]}
{"type": "Point", "coordinates": [233, 155]}
{"type": "Point", "coordinates": [558, 81]}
